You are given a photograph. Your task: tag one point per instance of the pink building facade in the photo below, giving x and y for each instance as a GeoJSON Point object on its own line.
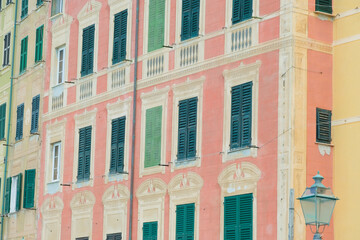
{"type": "Point", "coordinates": [225, 118]}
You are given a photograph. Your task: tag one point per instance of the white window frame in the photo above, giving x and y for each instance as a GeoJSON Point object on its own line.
{"type": "Point", "coordinates": [61, 8]}
{"type": "Point", "coordinates": [13, 194]}
{"type": "Point", "coordinates": [58, 50]}
{"type": "Point", "coordinates": [58, 145]}
{"type": "Point", "coordinates": [228, 14]}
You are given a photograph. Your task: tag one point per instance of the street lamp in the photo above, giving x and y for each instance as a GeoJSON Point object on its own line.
{"type": "Point", "coordinates": [317, 203]}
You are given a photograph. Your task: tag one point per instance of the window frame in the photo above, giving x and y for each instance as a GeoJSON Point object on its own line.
{"type": "Point", "coordinates": [318, 126]}
{"type": "Point", "coordinates": [35, 112]}
{"type": "Point", "coordinates": [6, 52]}
{"type": "Point", "coordinates": [23, 54]}
{"type": "Point", "coordinates": [39, 43]}
{"type": "Point", "coordinates": [58, 50]}
{"type": "Point", "coordinates": [23, 9]}
{"type": "Point", "coordinates": [229, 13]}
{"type": "Point", "coordinates": [322, 8]}
{"type": "Point", "coordinates": [18, 120]}
{"type": "Point", "coordinates": [61, 8]}
{"type": "Point", "coordinates": [57, 144]}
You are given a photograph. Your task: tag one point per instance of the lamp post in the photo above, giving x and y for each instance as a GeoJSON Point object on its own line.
{"type": "Point", "coordinates": [317, 203]}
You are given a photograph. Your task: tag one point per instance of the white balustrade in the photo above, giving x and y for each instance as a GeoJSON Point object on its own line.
{"type": "Point", "coordinates": [155, 65]}
{"type": "Point", "coordinates": [117, 77]}
{"type": "Point", "coordinates": [86, 89]}
{"type": "Point", "coordinates": [189, 54]}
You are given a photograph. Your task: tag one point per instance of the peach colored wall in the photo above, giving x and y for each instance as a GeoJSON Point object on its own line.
{"type": "Point", "coordinates": [320, 29]}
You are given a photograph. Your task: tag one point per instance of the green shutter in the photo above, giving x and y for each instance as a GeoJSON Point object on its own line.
{"type": "Point", "coordinates": [190, 19]}
{"type": "Point", "coordinates": [24, 8]}
{"type": "Point", "coordinates": [19, 122]}
{"type": "Point", "coordinates": [156, 29]}
{"type": "Point", "coordinates": [117, 145]}
{"type": "Point", "coordinates": [242, 10]}
{"type": "Point", "coordinates": [35, 114]}
{"type": "Point", "coordinates": [195, 17]}
{"type": "Point", "coordinates": [18, 191]}
{"type": "Point", "coordinates": [29, 188]}
{"type": "Point", "coordinates": [114, 236]}
{"type": "Point", "coordinates": [7, 195]}
{"type": "Point", "coordinates": [120, 33]}
{"type": "Point", "coordinates": [150, 230]}
{"type": "Point", "coordinates": [87, 59]}
{"type": "Point", "coordinates": [39, 43]}
{"type": "Point", "coordinates": [323, 125]}
{"type": "Point", "coordinates": [84, 153]}
{"type": "Point", "coordinates": [238, 217]}
{"type": "Point", "coordinates": [23, 54]}
{"type": "Point", "coordinates": [39, 2]}
{"type": "Point", "coordinates": [324, 6]}
{"type": "Point", "coordinates": [185, 220]}
{"type": "Point", "coordinates": [153, 136]}
{"type": "Point", "coordinates": [2, 120]}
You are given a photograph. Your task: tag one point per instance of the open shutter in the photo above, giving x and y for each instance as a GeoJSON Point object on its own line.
{"type": "Point", "coordinates": [182, 132]}
{"type": "Point", "coordinates": [87, 159]}
{"type": "Point", "coordinates": [195, 16]}
{"type": "Point", "coordinates": [2, 120]}
{"type": "Point", "coordinates": [7, 195]}
{"type": "Point", "coordinates": [246, 112]}
{"type": "Point", "coordinates": [19, 190]}
{"type": "Point", "coordinates": [150, 230]}
{"type": "Point", "coordinates": [153, 136]}
{"type": "Point", "coordinates": [323, 125]}
{"type": "Point", "coordinates": [39, 43]}
{"type": "Point", "coordinates": [35, 114]}
{"type": "Point", "coordinates": [324, 6]}
{"type": "Point", "coordinates": [29, 188]}
{"type": "Point", "coordinates": [23, 54]}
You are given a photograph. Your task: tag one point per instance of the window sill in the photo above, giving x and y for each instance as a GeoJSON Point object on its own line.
{"type": "Point", "coordinates": [82, 183]}
{"type": "Point", "coordinates": [152, 170]}
{"type": "Point", "coordinates": [39, 6]}
{"type": "Point", "coordinates": [325, 14]}
{"type": "Point", "coordinates": [53, 187]}
{"type": "Point", "coordinates": [116, 177]}
{"type": "Point", "coordinates": [54, 17]}
{"type": "Point", "coordinates": [5, 68]}
{"type": "Point", "coordinates": [23, 18]}
{"type": "Point", "coordinates": [185, 163]}
{"type": "Point", "coordinates": [86, 77]}
{"type": "Point", "coordinates": [324, 144]}
{"type": "Point", "coordinates": [234, 154]}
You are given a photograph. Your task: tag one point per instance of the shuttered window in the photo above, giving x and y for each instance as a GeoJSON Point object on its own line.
{"type": "Point", "coordinates": [7, 195]}
{"type": "Point", "coordinates": [84, 153]}
{"type": "Point", "coordinates": [2, 120]}
{"type": "Point", "coordinates": [120, 32]}
{"type": "Point", "coordinates": [150, 230]}
{"type": "Point", "coordinates": [241, 111]}
{"type": "Point", "coordinates": [15, 193]}
{"type": "Point", "coordinates": [323, 125]}
{"type": "Point", "coordinates": [39, 2]}
{"type": "Point", "coordinates": [24, 8]}
{"type": "Point", "coordinates": [87, 60]}
{"type": "Point", "coordinates": [82, 238]}
{"type": "Point", "coordinates": [185, 220]}
{"type": "Point", "coordinates": [156, 24]}
{"type": "Point", "coordinates": [6, 56]}
{"type": "Point", "coordinates": [19, 122]}
{"type": "Point", "coordinates": [242, 10]}
{"type": "Point", "coordinates": [56, 7]}
{"type": "Point", "coordinates": [39, 43]}
{"type": "Point", "coordinates": [190, 19]}
{"type": "Point", "coordinates": [238, 217]}
{"type": "Point", "coordinates": [114, 236]}
{"type": "Point", "coordinates": [153, 136]}
{"type": "Point", "coordinates": [8, 2]}
{"type": "Point", "coordinates": [187, 128]}
{"type": "Point", "coordinates": [29, 188]}
{"type": "Point", "coordinates": [324, 6]}
{"type": "Point", "coordinates": [23, 54]}
{"type": "Point", "coordinates": [35, 114]}
{"type": "Point", "coordinates": [117, 145]}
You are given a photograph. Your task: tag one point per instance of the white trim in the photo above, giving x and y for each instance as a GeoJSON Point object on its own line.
{"type": "Point", "coordinates": [352, 38]}
{"type": "Point", "coordinates": [63, 62]}
{"type": "Point", "coordinates": [54, 146]}
{"type": "Point", "coordinates": [347, 13]}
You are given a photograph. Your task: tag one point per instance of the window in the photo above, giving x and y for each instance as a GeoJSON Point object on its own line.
{"type": "Point", "coordinates": [39, 43]}
{"type": "Point", "coordinates": [324, 6]}
{"type": "Point", "coordinates": [156, 24]}
{"type": "Point", "coordinates": [39, 2]}
{"type": "Point", "coordinates": [6, 50]}
{"type": "Point", "coordinates": [87, 60]}
{"type": "Point", "coordinates": [35, 114]}
{"type": "Point", "coordinates": [185, 220]}
{"type": "Point", "coordinates": [150, 230]}
{"type": "Point", "coordinates": [19, 122]}
{"type": "Point", "coordinates": [2, 120]}
{"type": "Point", "coordinates": [190, 19]}
{"type": "Point", "coordinates": [117, 145]}
{"type": "Point", "coordinates": [114, 236]}
{"type": "Point", "coordinates": [56, 154]}
{"type": "Point", "coordinates": [241, 105]}
{"type": "Point", "coordinates": [13, 193]}
{"type": "Point", "coordinates": [187, 128]}
{"type": "Point", "coordinates": [23, 55]}
{"type": "Point", "coordinates": [56, 7]}
{"type": "Point", "coordinates": [323, 125]}
{"type": "Point", "coordinates": [238, 217]}
{"type": "Point", "coordinates": [84, 153]}
{"type": "Point", "coordinates": [120, 29]}
{"type": "Point", "coordinates": [24, 8]}
{"type": "Point", "coordinates": [153, 137]}
{"type": "Point", "coordinates": [29, 188]}
{"type": "Point", "coordinates": [8, 2]}
{"type": "Point", "coordinates": [60, 73]}
{"type": "Point", "coordinates": [242, 10]}
{"type": "Point", "coordinates": [82, 238]}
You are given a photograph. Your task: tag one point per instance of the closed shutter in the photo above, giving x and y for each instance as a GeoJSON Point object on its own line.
{"type": "Point", "coordinates": [39, 2]}
{"type": "Point", "coordinates": [323, 125]}
{"type": "Point", "coordinates": [24, 8]}
{"type": "Point", "coordinates": [187, 128]}
{"type": "Point", "coordinates": [23, 54]}
{"type": "Point", "coordinates": [156, 29]}
{"type": "Point", "coordinates": [35, 114]}
{"type": "Point", "coordinates": [324, 6]}
{"type": "Point", "coordinates": [29, 188]}
{"type": "Point", "coordinates": [241, 111]}
{"type": "Point", "coordinates": [87, 60]}
{"type": "Point", "coordinates": [185, 220]}
{"type": "Point", "coordinates": [18, 191]}
{"type": "Point", "coordinates": [120, 33]}
{"type": "Point", "coordinates": [39, 43]}
{"type": "Point", "coordinates": [150, 230]}
{"type": "Point", "coordinates": [114, 236]}
{"type": "Point", "coordinates": [242, 10]}
{"type": "Point", "coordinates": [2, 120]}
{"type": "Point", "coordinates": [117, 145]}
{"type": "Point", "coordinates": [190, 19]}
{"type": "Point", "coordinates": [6, 49]}
{"type": "Point", "coordinates": [7, 195]}
{"type": "Point", "coordinates": [19, 122]}
{"type": "Point", "coordinates": [153, 136]}
{"type": "Point", "coordinates": [238, 217]}
{"type": "Point", "coordinates": [84, 153]}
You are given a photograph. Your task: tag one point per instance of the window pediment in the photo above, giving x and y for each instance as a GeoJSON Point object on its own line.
{"type": "Point", "coordinates": [151, 187]}
{"type": "Point", "coordinates": [90, 8]}
{"type": "Point", "coordinates": [185, 182]}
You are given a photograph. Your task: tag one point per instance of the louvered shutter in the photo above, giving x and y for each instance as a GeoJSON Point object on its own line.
{"type": "Point", "coordinates": [6, 49]}
{"type": "Point", "coordinates": [236, 11]}
{"type": "Point", "coordinates": [120, 33]}
{"type": "Point", "coordinates": [87, 158]}
{"type": "Point", "coordinates": [247, 9]}
{"type": "Point", "coordinates": [152, 25]}
{"type": "Point", "coordinates": [153, 136]}
{"type": "Point", "coordinates": [185, 220]}
{"type": "Point", "coordinates": [114, 155]}
{"type": "Point", "coordinates": [182, 132]}
{"type": "Point", "coordinates": [156, 24]}
{"type": "Point", "coordinates": [186, 20]}
{"type": "Point", "coordinates": [192, 122]}
{"type": "Point", "coordinates": [29, 188]}
{"type": "Point", "coordinates": [121, 145]}
{"type": "Point", "coordinates": [114, 236]}
{"type": "Point", "coordinates": [39, 43]}
{"type": "Point", "coordinates": [81, 163]}
{"type": "Point", "coordinates": [117, 145]}
{"type": "Point", "coordinates": [24, 8]}
{"type": "Point", "coordinates": [23, 54]}
{"type": "Point", "coordinates": [87, 60]}
{"type": "Point", "coordinates": [150, 230]}
{"type": "Point", "coordinates": [18, 191]}
{"type": "Point", "coordinates": [7, 195]}
{"type": "Point", "coordinates": [19, 122]}
{"type": "Point", "coordinates": [324, 6]}
{"type": "Point", "coordinates": [35, 114]}
{"type": "Point", "coordinates": [39, 2]}
{"type": "Point", "coordinates": [323, 125]}
{"type": "Point", "coordinates": [2, 120]}
{"type": "Point", "coordinates": [195, 17]}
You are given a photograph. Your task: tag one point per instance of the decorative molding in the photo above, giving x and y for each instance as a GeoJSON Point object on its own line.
{"type": "Point", "coordinates": [150, 188]}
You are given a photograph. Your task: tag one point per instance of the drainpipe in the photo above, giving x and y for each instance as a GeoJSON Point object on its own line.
{"type": "Point", "coordinates": [134, 122]}
{"type": "Point", "coordinates": [9, 120]}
